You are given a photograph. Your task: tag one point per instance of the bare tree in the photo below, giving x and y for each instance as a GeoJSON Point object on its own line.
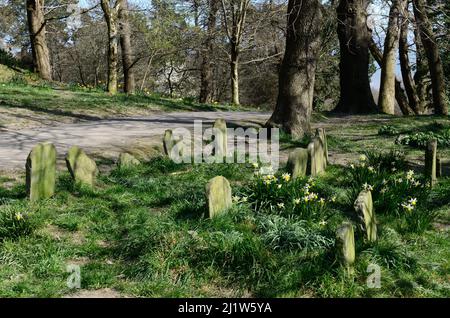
{"type": "Point", "coordinates": [206, 68]}
{"type": "Point", "coordinates": [297, 74]}
{"type": "Point", "coordinates": [127, 50]}
{"type": "Point", "coordinates": [408, 81]}
{"type": "Point", "coordinates": [434, 60]}
{"type": "Point", "coordinates": [386, 98]}
{"type": "Point", "coordinates": [234, 15]}
{"type": "Point", "coordinates": [111, 13]}
{"type": "Point", "coordinates": [354, 37]}
{"type": "Point", "coordinates": [39, 48]}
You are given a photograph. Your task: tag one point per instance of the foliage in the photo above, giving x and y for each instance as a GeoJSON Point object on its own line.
{"type": "Point", "coordinates": [15, 221]}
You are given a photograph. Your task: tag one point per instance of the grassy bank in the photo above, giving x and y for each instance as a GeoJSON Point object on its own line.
{"type": "Point", "coordinates": [143, 232]}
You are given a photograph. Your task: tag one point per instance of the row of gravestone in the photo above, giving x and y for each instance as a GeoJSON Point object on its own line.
{"type": "Point", "coordinates": [41, 169]}
{"type": "Point", "coordinates": [312, 160]}
{"type": "Point", "coordinates": [221, 140]}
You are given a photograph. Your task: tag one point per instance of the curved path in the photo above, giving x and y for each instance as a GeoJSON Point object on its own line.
{"type": "Point", "coordinates": [109, 136]}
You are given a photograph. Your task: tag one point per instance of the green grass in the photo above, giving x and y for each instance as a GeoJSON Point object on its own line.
{"type": "Point", "coordinates": [72, 103]}
{"type": "Point", "coordinates": [143, 232]}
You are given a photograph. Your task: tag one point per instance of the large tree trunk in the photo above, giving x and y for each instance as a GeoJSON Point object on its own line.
{"type": "Point", "coordinates": [400, 94]}
{"type": "Point", "coordinates": [206, 72]}
{"type": "Point", "coordinates": [434, 60]}
{"type": "Point", "coordinates": [356, 95]}
{"type": "Point", "coordinates": [386, 98]}
{"type": "Point", "coordinates": [297, 74]}
{"type": "Point", "coordinates": [408, 82]}
{"type": "Point", "coordinates": [127, 51]}
{"type": "Point", "coordinates": [234, 74]}
{"type": "Point", "coordinates": [111, 18]}
{"type": "Point", "coordinates": [39, 48]}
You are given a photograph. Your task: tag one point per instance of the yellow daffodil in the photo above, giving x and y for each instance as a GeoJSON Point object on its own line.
{"type": "Point", "coordinates": [286, 177]}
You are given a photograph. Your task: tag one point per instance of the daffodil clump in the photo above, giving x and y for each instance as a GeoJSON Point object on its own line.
{"type": "Point", "coordinates": [395, 189]}
{"type": "Point", "coordinates": [278, 193]}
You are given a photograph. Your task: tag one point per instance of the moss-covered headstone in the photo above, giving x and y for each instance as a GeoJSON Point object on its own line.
{"type": "Point", "coordinates": [127, 160]}
{"type": "Point", "coordinates": [297, 162]}
{"type": "Point", "coordinates": [345, 244]}
{"type": "Point", "coordinates": [220, 133]}
{"type": "Point", "coordinates": [316, 157]}
{"type": "Point", "coordinates": [364, 208]}
{"type": "Point", "coordinates": [41, 172]}
{"type": "Point", "coordinates": [430, 161]}
{"type": "Point", "coordinates": [82, 168]}
{"type": "Point", "coordinates": [218, 195]}
{"type": "Point", "coordinates": [320, 132]}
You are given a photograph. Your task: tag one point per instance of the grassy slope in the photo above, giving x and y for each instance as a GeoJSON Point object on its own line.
{"type": "Point", "coordinates": [142, 233]}
{"type": "Point", "coordinates": [26, 105]}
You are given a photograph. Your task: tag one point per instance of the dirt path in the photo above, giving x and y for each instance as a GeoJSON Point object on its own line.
{"type": "Point", "coordinates": [107, 138]}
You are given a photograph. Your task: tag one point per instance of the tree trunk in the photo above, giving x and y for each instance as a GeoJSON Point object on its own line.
{"type": "Point", "coordinates": [39, 48]}
{"type": "Point", "coordinates": [421, 76]}
{"type": "Point", "coordinates": [386, 98]}
{"type": "Point", "coordinates": [408, 82]}
{"type": "Point", "coordinates": [297, 74]}
{"type": "Point", "coordinates": [400, 95]}
{"type": "Point", "coordinates": [434, 60]}
{"type": "Point", "coordinates": [111, 17]}
{"type": "Point", "coordinates": [356, 95]}
{"type": "Point", "coordinates": [127, 50]}
{"type": "Point", "coordinates": [206, 72]}
{"type": "Point", "coordinates": [234, 73]}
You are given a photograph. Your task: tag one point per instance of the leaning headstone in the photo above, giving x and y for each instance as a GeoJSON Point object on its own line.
{"type": "Point", "coordinates": [220, 133]}
{"type": "Point", "coordinates": [82, 168]}
{"type": "Point", "coordinates": [218, 195]}
{"type": "Point", "coordinates": [316, 158]}
{"type": "Point", "coordinates": [297, 162]}
{"type": "Point", "coordinates": [126, 160]}
{"type": "Point", "coordinates": [41, 172]}
{"type": "Point", "coordinates": [168, 142]}
{"type": "Point", "coordinates": [345, 244]}
{"type": "Point", "coordinates": [430, 161]}
{"type": "Point", "coordinates": [364, 208]}
{"type": "Point", "coordinates": [320, 132]}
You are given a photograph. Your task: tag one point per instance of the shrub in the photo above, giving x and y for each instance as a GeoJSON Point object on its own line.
{"type": "Point", "coordinates": [387, 130]}
{"type": "Point", "coordinates": [420, 139]}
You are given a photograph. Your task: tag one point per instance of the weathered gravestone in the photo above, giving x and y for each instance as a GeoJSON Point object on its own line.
{"type": "Point", "coordinates": [221, 139]}
{"type": "Point", "coordinates": [345, 244]}
{"type": "Point", "coordinates": [168, 142]}
{"type": "Point", "coordinates": [82, 168]}
{"type": "Point", "coordinates": [316, 157]}
{"type": "Point", "coordinates": [41, 171]}
{"type": "Point", "coordinates": [442, 167]}
{"type": "Point", "coordinates": [297, 162]}
{"type": "Point", "coordinates": [430, 161]}
{"type": "Point", "coordinates": [127, 160]}
{"type": "Point", "coordinates": [218, 195]}
{"type": "Point", "coordinates": [364, 208]}
{"type": "Point", "coordinates": [320, 132]}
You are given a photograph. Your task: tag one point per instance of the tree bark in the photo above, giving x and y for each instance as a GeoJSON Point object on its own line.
{"type": "Point", "coordinates": [127, 50]}
{"type": "Point", "coordinates": [356, 95]}
{"type": "Point", "coordinates": [297, 74]}
{"type": "Point", "coordinates": [234, 74]}
{"type": "Point", "coordinates": [39, 48]}
{"type": "Point", "coordinates": [111, 18]}
{"type": "Point", "coordinates": [408, 82]}
{"type": "Point", "coordinates": [206, 72]}
{"type": "Point", "coordinates": [400, 95]}
{"type": "Point", "coordinates": [386, 98]}
{"type": "Point", "coordinates": [434, 60]}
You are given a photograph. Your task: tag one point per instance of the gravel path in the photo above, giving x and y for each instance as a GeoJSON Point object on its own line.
{"type": "Point", "coordinates": [110, 136]}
